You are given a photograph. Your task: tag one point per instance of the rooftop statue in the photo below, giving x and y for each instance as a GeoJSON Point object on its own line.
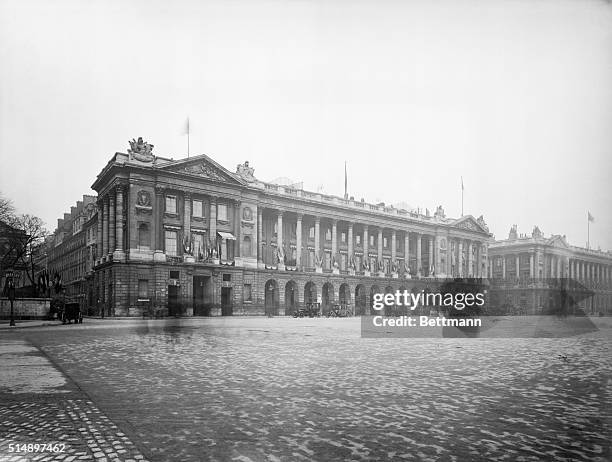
{"type": "Point", "coordinates": [141, 150]}
{"type": "Point", "coordinates": [246, 172]}
{"type": "Point", "coordinates": [481, 222]}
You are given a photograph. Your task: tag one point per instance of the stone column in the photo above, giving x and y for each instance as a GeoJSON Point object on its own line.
{"type": "Point", "coordinates": [393, 245]}
{"type": "Point", "coordinates": [418, 256]}
{"type": "Point", "coordinates": [105, 239]}
{"type": "Point", "coordinates": [503, 267]}
{"type": "Point", "coordinates": [298, 241]}
{"type": "Point", "coordinates": [470, 259]}
{"type": "Point", "coordinates": [279, 236]}
{"type": "Point", "coordinates": [119, 253]}
{"type": "Point", "coordinates": [380, 244]}
{"type": "Point", "coordinates": [159, 254]}
{"type": "Point", "coordinates": [438, 270]}
{"type": "Point", "coordinates": [531, 266]}
{"type": "Point", "coordinates": [317, 237]}
{"type": "Point", "coordinates": [259, 235]}
{"type": "Point", "coordinates": [187, 215]}
{"type": "Point", "coordinates": [366, 245]}
{"type": "Point", "coordinates": [334, 242]}
{"type": "Point", "coordinates": [350, 243]}
{"type": "Point", "coordinates": [517, 266]}
{"type": "Point", "coordinates": [237, 229]}
{"type": "Point", "coordinates": [212, 225]}
{"type": "Point", "coordinates": [460, 258]}
{"type": "Point", "coordinates": [99, 239]}
{"type": "Point", "coordinates": [111, 224]}
{"type": "Point", "coordinates": [429, 254]}
{"type": "Point", "coordinates": [449, 257]}
{"type": "Point", "coordinates": [407, 249]}
{"type": "Point", "coordinates": [559, 268]}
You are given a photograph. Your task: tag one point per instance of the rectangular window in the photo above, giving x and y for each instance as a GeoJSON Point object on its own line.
{"type": "Point", "coordinates": [385, 242]}
{"type": "Point", "coordinates": [358, 239]}
{"type": "Point", "coordinates": [311, 232]}
{"type": "Point", "coordinates": [170, 204]}
{"type": "Point", "coordinates": [198, 209]}
{"type": "Point", "coordinates": [371, 241]}
{"type": "Point", "coordinates": [248, 293]}
{"type": "Point", "coordinates": [143, 288]}
{"type": "Point", "coordinates": [175, 274]}
{"type": "Point", "coordinates": [171, 243]}
{"type": "Point", "coordinates": [222, 212]}
{"type": "Point", "coordinates": [227, 277]}
{"type": "Point", "coordinates": [342, 237]}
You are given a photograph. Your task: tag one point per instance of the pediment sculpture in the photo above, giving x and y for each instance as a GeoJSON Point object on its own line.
{"type": "Point", "coordinates": [205, 170]}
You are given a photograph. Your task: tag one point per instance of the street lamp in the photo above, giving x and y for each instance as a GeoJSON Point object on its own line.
{"type": "Point", "coordinates": [11, 295]}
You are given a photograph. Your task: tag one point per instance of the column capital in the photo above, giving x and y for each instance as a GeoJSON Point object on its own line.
{"type": "Point", "coordinates": [300, 216]}
{"type": "Point", "coordinates": [335, 221]}
{"type": "Point", "coordinates": [317, 220]}
{"type": "Point", "coordinates": [105, 199]}
{"type": "Point", "coordinates": [280, 213]}
{"type": "Point", "coordinates": [213, 198]}
{"type": "Point", "coordinates": [350, 225]}
{"type": "Point", "coordinates": [187, 195]}
{"type": "Point", "coordinates": [160, 190]}
{"type": "Point", "coordinates": [121, 185]}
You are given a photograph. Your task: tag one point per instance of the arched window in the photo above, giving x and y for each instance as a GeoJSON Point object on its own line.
{"type": "Point", "coordinates": [246, 246]}
{"type": "Point", "coordinates": [144, 236]}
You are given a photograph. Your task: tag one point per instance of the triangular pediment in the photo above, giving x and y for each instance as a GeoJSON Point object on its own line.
{"type": "Point", "coordinates": [204, 167]}
{"type": "Point", "coordinates": [470, 223]}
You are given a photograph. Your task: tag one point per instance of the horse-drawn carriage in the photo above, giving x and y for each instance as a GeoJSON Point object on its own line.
{"type": "Point", "coordinates": [66, 310]}
{"type": "Point", "coordinates": [310, 310]}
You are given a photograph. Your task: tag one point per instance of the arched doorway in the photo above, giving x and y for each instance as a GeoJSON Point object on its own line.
{"type": "Point", "coordinates": [327, 297]}
{"type": "Point", "coordinates": [291, 297]}
{"type": "Point", "coordinates": [271, 297]}
{"type": "Point", "coordinates": [344, 295]}
{"type": "Point", "coordinates": [310, 293]}
{"type": "Point", "coordinates": [360, 300]}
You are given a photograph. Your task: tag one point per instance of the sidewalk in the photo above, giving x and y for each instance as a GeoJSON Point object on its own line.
{"type": "Point", "coordinates": [4, 323]}
{"type": "Point", "coordinates": [46, 416]}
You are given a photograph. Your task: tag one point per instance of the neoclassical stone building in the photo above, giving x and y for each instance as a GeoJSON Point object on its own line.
{"type": "Point", "coordinates": [190, 237]}
{"type": "Point", "coordinates": [526, 272]}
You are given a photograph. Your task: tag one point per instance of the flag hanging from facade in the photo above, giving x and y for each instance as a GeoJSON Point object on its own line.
{"type": "Point", "coordinates": [591, 217]}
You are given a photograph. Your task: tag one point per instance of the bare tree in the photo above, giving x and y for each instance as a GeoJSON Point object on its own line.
{"type": "Point", "coordinates": [7, 211]}
{"type": "Point", "coordinates": [21, 238]}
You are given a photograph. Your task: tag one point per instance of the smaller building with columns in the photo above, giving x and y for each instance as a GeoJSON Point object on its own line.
{"type": "Point", "coordinates": [525, 273]}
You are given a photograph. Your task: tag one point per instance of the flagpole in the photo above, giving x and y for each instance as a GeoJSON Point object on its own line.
{"type": "Point", "coordinates": [462, 196]}
{"type": "Point", "coordinates": [588, 232]}
{"type": "Point", "coordinates": [188, 137]}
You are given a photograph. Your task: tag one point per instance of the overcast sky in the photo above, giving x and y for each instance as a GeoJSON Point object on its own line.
{"type": "Point", "coordinates": [515, 96]}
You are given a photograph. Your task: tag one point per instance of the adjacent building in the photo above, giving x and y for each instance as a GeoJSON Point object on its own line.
{"type": "Point", "coordinates": [530, 273]}
{"type": "Point", "coordinates": [190, 237]}
{"type": "Point", "coordinates": [71, 251]}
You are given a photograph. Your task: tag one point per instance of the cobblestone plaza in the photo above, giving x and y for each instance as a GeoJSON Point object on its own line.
{"type": "Point", "coordinates": [285, 389]}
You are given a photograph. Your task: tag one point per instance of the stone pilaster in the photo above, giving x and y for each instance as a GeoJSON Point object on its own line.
{"type": "Point", "coordinates": [298, 240]}
{"type": "Point", "coordinates": [119, 254]}
{"type": "Point", "coordinates": [159, 254]}
{"type": "Point", "coordinates": [419, 270]}
{"type": "Point", "coordinates": [105, 238]}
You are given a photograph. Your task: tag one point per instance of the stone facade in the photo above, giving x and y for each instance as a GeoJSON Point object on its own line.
{"type": "Point", "coordinates": [526, 272]}
{"type": "Point", "coordinates": [190, 237]}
